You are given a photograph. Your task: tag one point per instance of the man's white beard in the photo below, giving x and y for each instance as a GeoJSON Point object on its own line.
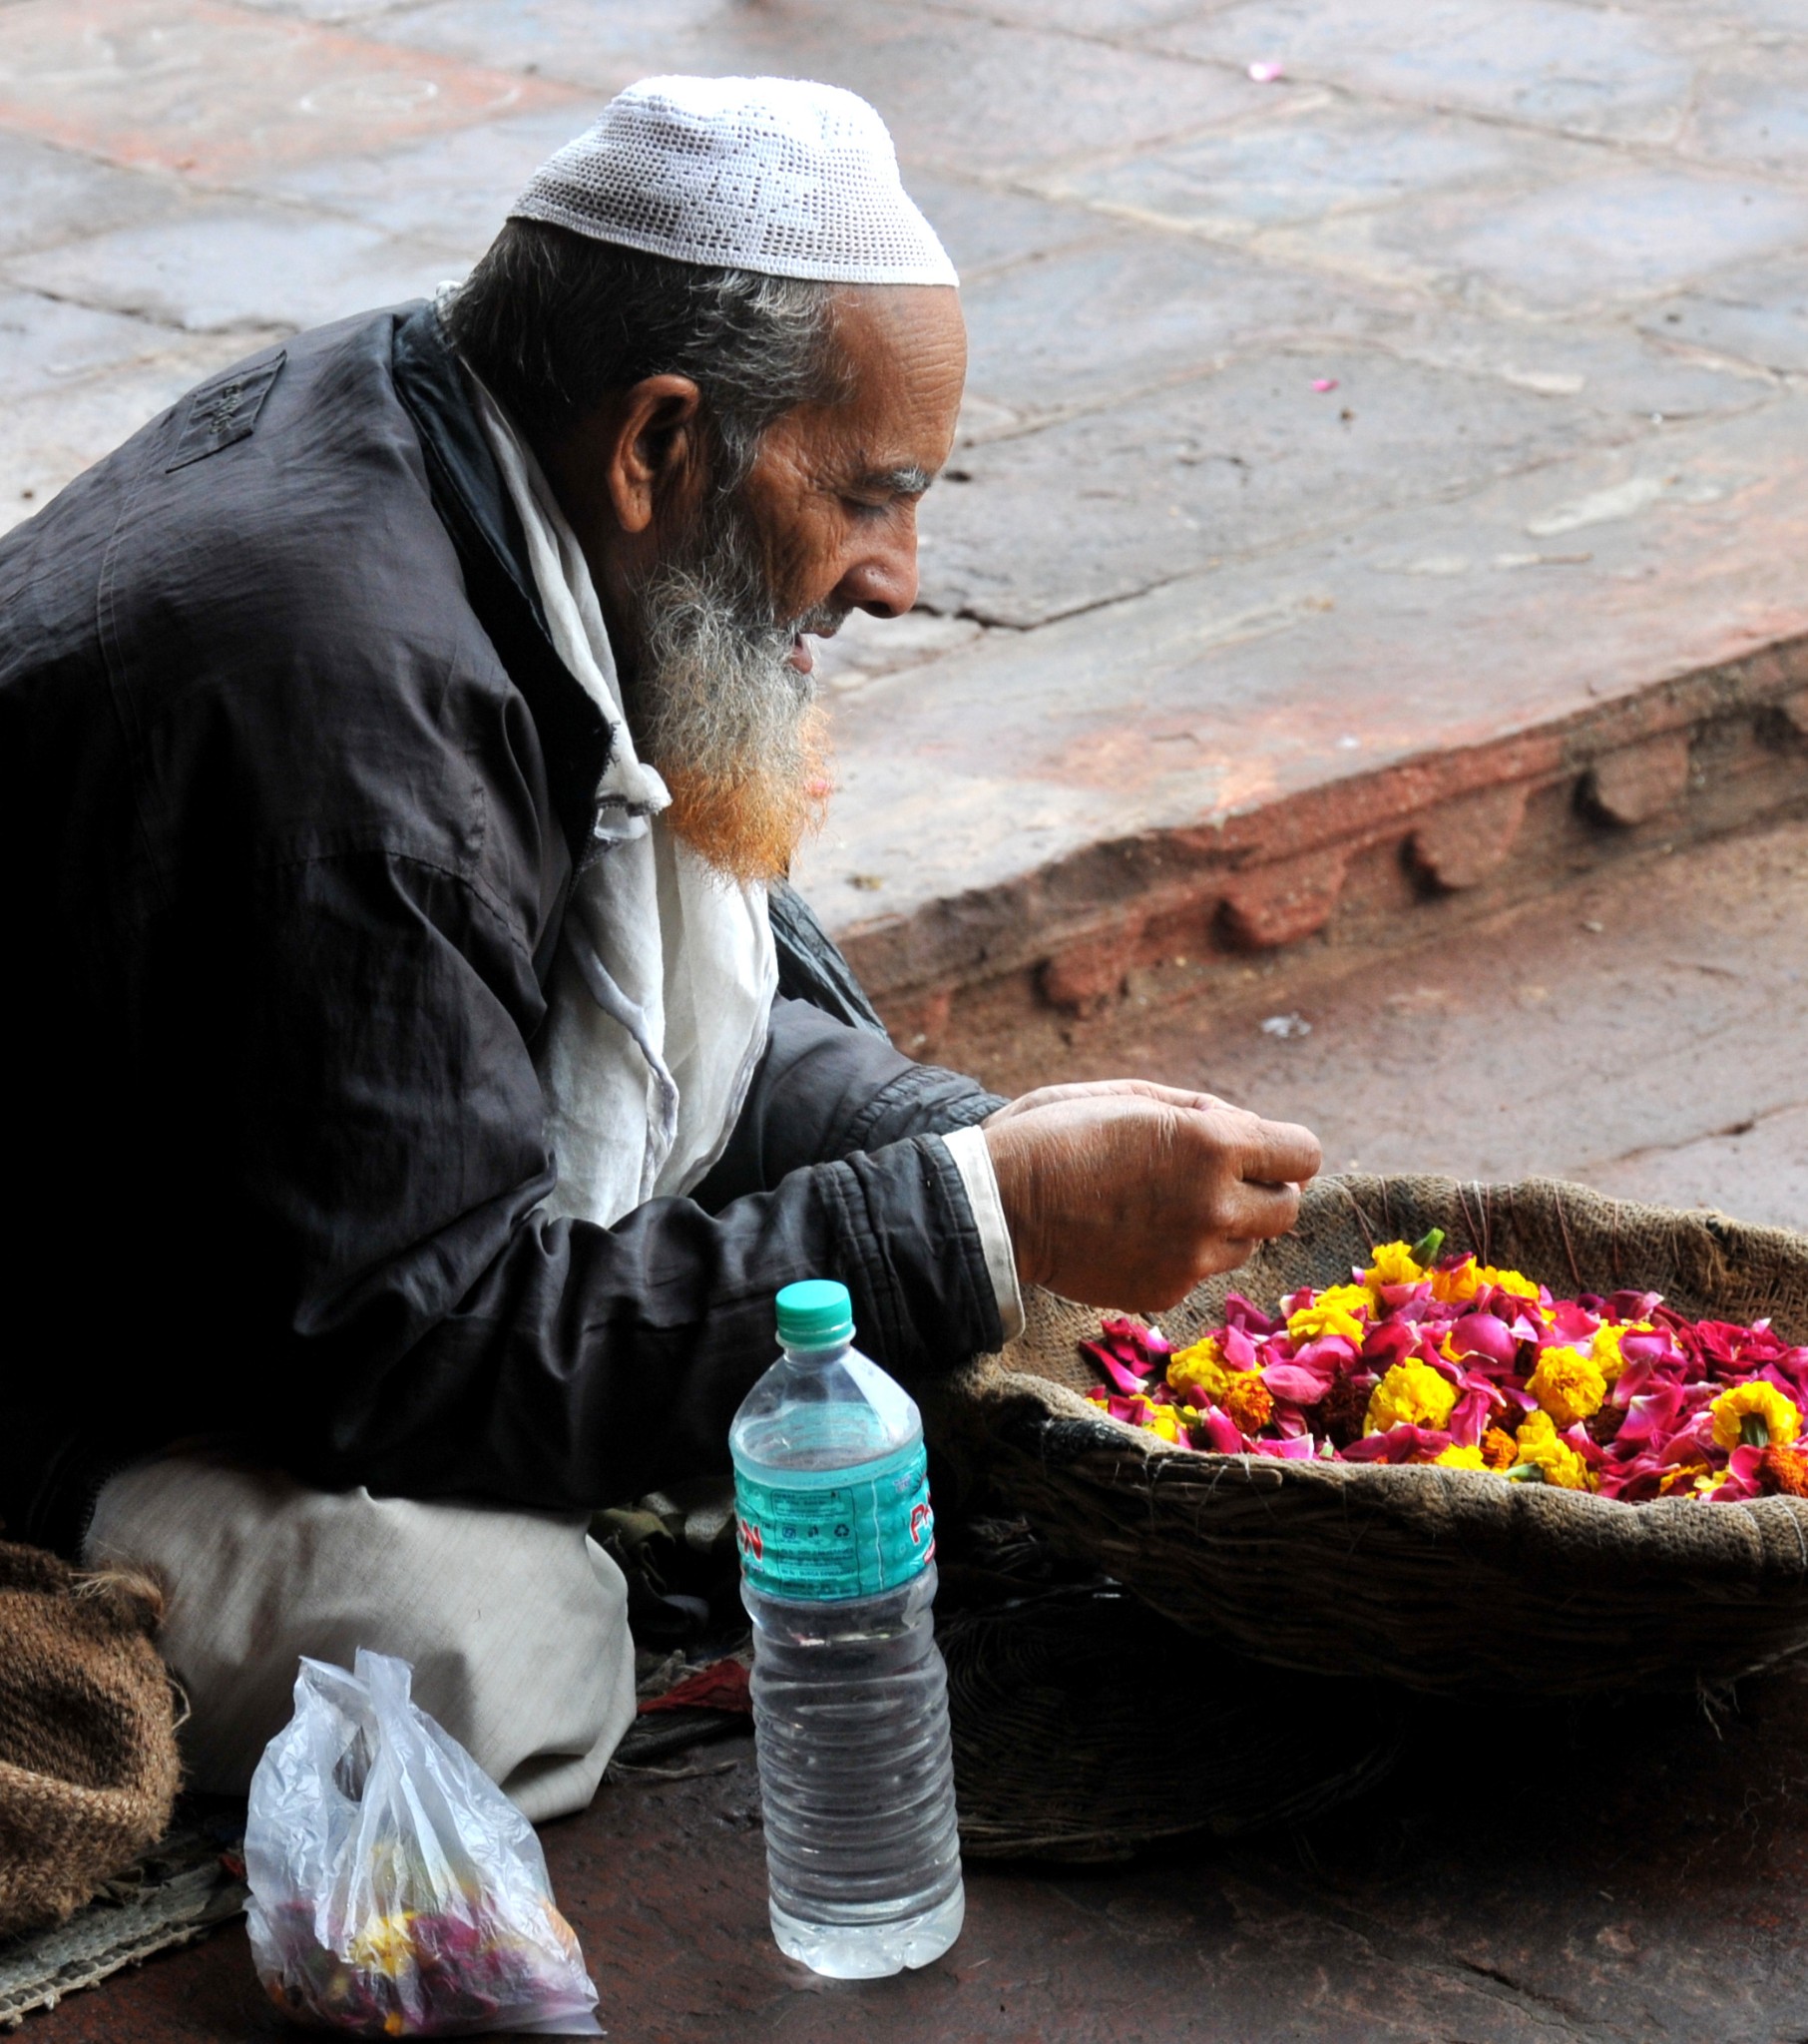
{"type": "Point", "coordinates": [734, 728]}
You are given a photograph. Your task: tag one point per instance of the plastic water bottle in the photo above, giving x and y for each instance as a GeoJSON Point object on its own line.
{"type": "Point", "coordinates": [850, 1698]}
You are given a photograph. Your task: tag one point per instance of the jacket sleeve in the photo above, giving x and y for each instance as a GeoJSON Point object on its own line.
{"type": "Point", "coordinates": [825, 1089]}
{"type": "Point", "coordinates": [421, 1326]}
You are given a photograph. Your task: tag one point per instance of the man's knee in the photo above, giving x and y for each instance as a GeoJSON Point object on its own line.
{"type": "Point", "coordinates": [515, 1622]}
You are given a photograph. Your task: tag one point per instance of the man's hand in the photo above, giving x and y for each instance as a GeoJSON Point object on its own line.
{"type": "Point", "coordinates": [1127, 1193]}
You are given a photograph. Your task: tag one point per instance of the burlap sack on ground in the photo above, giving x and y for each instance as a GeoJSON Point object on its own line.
{"type": "Point", "coordinates": [1445, 1579]}
{"type": "Point", "coordinates": [87, 1761]}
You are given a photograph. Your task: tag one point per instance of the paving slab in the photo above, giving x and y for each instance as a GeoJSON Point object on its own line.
{"type": "Point", "coordinates": [960, 93]}
{"type": "Point", "coordinates": [54, 194]}
{"type": "Point", "coordinates": [442, 191]}
{"type": "Point", "coordinates": [212, 89]}
{"type": "Point", "coordinates": [1296, 439]}
{"type": "Point", "coordinates": [1759, 315]}
{"type": "Point", "coordinates": [49, 434]}
{"type": "Point", "coordinates": [1621, 71]}
{"type": "Point", "coordinates": [50, 342]}
{"type": "Point", "coordinates": [226, 264]}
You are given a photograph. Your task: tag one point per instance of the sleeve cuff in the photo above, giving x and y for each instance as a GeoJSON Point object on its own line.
{"type": "Point", "coordinates": [972, 1159]}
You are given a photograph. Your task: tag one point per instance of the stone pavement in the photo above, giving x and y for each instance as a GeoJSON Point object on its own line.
{"type": "Point", "coordinates": [1383, 480]}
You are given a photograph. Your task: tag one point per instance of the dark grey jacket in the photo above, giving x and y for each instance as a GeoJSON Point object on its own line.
{"type": "Point", "coordinates": [291, 783]}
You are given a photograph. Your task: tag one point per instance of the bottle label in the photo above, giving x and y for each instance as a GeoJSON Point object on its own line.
{"type": "Point", "coordinates": [852, 1533]}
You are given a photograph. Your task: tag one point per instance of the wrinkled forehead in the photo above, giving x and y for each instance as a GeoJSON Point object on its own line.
{"type": "Point", "coordinates": [902, 353]}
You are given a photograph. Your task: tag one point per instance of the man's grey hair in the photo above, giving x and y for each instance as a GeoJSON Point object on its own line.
{"type": "Point", "coordinates": [553, 322]}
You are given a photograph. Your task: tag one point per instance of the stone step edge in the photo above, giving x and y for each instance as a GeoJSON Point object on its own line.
{"type": "Point", "coordinates": [1273, 875]}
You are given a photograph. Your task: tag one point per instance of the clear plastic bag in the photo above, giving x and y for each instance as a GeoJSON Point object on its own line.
{"type": "Point", "coordinates": [395, 1890]}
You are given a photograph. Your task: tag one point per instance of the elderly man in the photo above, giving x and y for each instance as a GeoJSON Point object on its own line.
{"type": "Point", "coordinates": [424, 1080]}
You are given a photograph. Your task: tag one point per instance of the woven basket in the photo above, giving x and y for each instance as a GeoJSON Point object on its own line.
{"type": "Point", "coordinates": [1061, 1705]}
{"type": "Point", "coordinates": [1442, 1579]}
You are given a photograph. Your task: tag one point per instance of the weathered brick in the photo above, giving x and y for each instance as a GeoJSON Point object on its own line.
{"type": "Point", "coordinates": [1461, 843]}
{"type": "Point", "coordinates": [1640, 781]}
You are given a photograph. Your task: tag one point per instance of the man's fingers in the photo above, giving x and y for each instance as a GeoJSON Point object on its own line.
{"type": "Point", "coordinates": [1282, 1153]}
{"type": "Point", "coordinates": [1256, 1213]}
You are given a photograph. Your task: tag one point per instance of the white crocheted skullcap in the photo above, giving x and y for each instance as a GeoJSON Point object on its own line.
{"type": "Point", "coordinates": [777, 175]}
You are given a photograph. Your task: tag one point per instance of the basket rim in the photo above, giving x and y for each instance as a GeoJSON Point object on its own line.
{"type": "Point", "coordinates": [1117, 1435]}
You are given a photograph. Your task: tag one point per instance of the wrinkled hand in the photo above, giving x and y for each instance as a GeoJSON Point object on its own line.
{"type": "Point", "coordinates": [1123, 1192]}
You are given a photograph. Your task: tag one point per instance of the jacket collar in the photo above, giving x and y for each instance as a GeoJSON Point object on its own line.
{"type": "Point", "coordinates": [473, 504]}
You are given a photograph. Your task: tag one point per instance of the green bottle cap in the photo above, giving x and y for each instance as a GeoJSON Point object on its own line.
{"type": "Point", "coordinates": [815, 1313]}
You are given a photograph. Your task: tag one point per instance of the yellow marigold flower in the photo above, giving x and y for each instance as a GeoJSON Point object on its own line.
{"type": "Point", "coordinates": [1334, 1311]}
{"type": "Point", "coordinates": [1781, 1418]}
{"type": "Point", "coordinates": [1568, 1385]}
{"type": "Point", "coordinates": [1393, 1265]}
{"type": "Point", "coordinates": [1689, 1474]}
{"type": "Point", "coordinates": [1199, 1370]}
{"type": "Point", "coordinates": [386, 1945]}
{"type": "Point", "coordinates": [1164, 1423]}
{"type": "Point", "coordinates": [1411, 1394]}
{"type": "Point", "coordinates": [1539, 1447]}
{"type": "Point", "coordinates": [1508, 1281]}
{"type": "Point", "coordinates": [1603, 1351]}
{"type": "Point", "coordinates": [1461, 1458]}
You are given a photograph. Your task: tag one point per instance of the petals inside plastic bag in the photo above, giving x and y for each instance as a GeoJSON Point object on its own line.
{"type": "Point", "coordinates": [395, 1890]}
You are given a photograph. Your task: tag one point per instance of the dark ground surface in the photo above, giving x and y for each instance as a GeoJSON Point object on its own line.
{"type": "Point", "coordinates": [1633, 1872]}
{"type": "Point", "coordinates": [1621, 1873]}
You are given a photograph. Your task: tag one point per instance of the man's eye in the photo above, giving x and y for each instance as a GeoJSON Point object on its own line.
{"type": "Point", "coordinates": [868, 507]}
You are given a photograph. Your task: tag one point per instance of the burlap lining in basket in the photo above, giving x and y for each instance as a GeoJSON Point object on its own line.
{"type": "Point", "coordinates": [1444, 1579]}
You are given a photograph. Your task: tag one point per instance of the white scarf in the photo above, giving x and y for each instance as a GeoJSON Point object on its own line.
{"type": "Point", "coordinates": [661, 989]}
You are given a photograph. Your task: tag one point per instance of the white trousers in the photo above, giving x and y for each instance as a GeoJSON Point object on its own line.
{"type": "Point", "coordinates": [515, 1622]}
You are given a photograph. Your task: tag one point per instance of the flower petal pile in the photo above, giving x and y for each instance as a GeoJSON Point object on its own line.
{"type": "Point", "coordinates": [1440, 1359]}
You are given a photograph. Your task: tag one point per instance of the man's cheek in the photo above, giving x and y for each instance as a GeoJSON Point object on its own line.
{"type": "Point", "coordinates": [804, 563]}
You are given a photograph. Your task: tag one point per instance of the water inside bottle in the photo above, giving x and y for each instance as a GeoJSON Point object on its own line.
{"type": "Point", "coordinates": [850, 1698]}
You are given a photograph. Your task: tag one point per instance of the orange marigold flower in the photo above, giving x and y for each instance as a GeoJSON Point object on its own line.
{"type": "Point", "coordinates": [1499, 1449]}
{"type": "Point", "coordinates": [1457, 1286]}
{"type": "Point", "coordinates": [1783, 1473]}
{"type": "Point", "coordinates": [1248, 1403]}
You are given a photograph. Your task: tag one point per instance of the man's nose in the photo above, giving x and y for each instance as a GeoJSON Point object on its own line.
{"type": "Point", "coordinates": [883, 580]}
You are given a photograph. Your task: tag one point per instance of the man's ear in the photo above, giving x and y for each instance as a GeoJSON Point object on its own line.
{"type": "Point", "coordinates": [655, 456]}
